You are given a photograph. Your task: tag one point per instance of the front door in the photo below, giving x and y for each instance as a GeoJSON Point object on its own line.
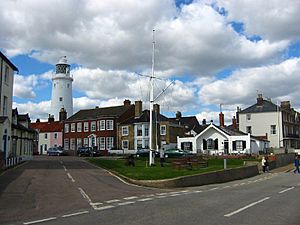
{"type": "Point", "coordinates": [226, 147]}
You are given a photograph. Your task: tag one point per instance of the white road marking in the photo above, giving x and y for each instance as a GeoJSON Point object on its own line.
{"type": "Point", "coordinates": [165, 193]}
{"type": "Point", "coordinates": [104, 207]}
{"type": "Point", "coordinates": [173, 195]}
{"type": "Point", "coordinates": [96, 203]}
{"type": "Point", "coordinates": [125, 203]}
{"type": "Point", "coordinates": [246, 207]}
{"type": "Point", "coordinates": [285, 190]}
{"type": "Point", "coordinates": [162, 196]}
{"type": "Point", "coordinates": [65, 168]}
{"type": "Point", "coordinates": [174, 192]}
{"type": "Point", "coordinates": [69, 175]}
{"type": "Point", "coordinates": [40, 221]}
{"type": "Point", "coordinates": [112, 201]}
{"type": "Point", "coordinates": [226, 187]}
{"type": "Point", "coordinates": [184, 191]}
{"type": "Point", "coordinates": [85, 195]}
{"type": "Point", "coordinates": [197, 191]}
{"type": "Point", "coordinates": [149, 195]}
{"type": "Point", "coordinates": [216, 188]}
{"type": "Point", "coordinates": [144, 199]}
{"type": "Point", "coordinates": [75, 214]}
{"type": "Point", "coordinates": [131, 197]}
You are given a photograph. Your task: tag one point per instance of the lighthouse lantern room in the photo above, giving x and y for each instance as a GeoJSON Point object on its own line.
{"type": "Point", "coordinates": [62, 89]}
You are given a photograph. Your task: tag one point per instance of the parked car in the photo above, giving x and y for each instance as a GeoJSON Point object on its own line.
{"type": "Point", "coordinates": [87, 151]}
{"type": "Point", "coordinates": [176, 153]}
{"type": "Point", "coordinates": [145, 153]}
{"type": "Point", "coordinates": [55, 151]}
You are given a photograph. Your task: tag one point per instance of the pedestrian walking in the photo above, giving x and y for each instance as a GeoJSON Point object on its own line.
{"type": "Point", "coordinates": [162, 157]}
{"type": "Point", "coordinates": [296, 162]}
{"type": "Point", "coordinates": [267, 164]}
{"type": "Point", "coordinates": [263, 164]}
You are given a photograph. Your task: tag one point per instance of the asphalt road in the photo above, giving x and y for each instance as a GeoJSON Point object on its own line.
{"type": "Point", "coordinates": [95, 197]}
{"type": "Point", "coordinates": [50, 186]}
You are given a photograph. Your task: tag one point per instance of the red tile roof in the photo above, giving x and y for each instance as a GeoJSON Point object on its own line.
{"type": "Point", "coordinates": [46, 127]}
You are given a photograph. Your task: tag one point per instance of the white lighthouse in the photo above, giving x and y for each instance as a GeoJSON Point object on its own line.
{"type": "Point", "coordinates": [62, 89]}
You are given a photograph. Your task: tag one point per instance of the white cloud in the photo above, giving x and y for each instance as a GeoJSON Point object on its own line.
{"type": "Point", "coordinates": [114, 35]}
{"type": "Point", "coordinates": [276, 81]}
{"type": "Point", "coordinates": [23, 86]}
{"type": "Point", "coordinates": [271, 19]}
{"type": "Point", "coordinates": [36, 110]}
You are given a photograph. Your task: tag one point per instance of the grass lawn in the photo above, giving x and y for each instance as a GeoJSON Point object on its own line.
{"type": "Point", "coordinates": [142, 171]}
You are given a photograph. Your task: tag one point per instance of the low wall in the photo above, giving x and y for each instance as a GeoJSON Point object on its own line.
{"type": "Point", "coordinates": [284, 159]}
{"type": "Point", "coordinates": [201, 179]}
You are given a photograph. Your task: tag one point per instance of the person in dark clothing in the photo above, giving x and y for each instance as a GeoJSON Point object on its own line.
{"type": "Point", "coordinates": [296, 162]}
{"type": "Point", "coordinates": [162, 157]}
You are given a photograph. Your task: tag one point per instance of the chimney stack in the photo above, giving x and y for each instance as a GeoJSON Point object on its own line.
{"type": "Point", "coordinates": [50, 118]}
{"type": "Point", "coordinates": [156, 108]}
{"type": "Point", "coordinates": [62, 114]}
{"type": "Point", "coordinates": [234, 124]}
{"type": "Point", "coordinates": [127, 102]}
{"type": "Point", "coordinates": [285, 105]}
{"type": "Point", "coordinates": [38, 120]}
{"type": "Point", "coordinates": [178, 115]}
{"type": "Point", "coordinates": [138, 108]}
{"type": "Point", "coordinates": [204, 122]}
{"type": "Point", "coordinates": [260, 99]}
{"type": "Point", "coordinates": [221, 119]}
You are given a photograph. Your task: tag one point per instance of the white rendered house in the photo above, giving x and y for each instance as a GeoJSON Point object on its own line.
{"type": "Point", "coordinates": [281, 124]}
{"type": "Point", "coordinates": [214, 140]}
{"type": "Point", "coordinates": [62, 89]}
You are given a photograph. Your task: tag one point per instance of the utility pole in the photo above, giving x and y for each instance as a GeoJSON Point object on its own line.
{"type": "Point", "coordinates": [151, 155]}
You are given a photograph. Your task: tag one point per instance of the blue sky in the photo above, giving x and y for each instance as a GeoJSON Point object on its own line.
{"type": "Point", "coordinates": [216, 51]}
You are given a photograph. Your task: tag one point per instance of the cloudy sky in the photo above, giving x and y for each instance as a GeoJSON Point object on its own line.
{"type": "Point", "coordinates": [215, 51]}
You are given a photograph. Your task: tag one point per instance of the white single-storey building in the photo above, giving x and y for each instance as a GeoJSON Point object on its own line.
{"type": "Point", "coordinates": [221, 140]}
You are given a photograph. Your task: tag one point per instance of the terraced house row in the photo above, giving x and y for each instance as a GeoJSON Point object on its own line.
{"type": "Point", "coordinates": [124, 127]}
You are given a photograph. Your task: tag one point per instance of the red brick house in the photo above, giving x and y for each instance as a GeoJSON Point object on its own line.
{"type": "Point", "coordinates": [96, 127]}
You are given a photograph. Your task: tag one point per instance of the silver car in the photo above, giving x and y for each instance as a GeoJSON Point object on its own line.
{"type": "Point", "coordinates": [54, 151]}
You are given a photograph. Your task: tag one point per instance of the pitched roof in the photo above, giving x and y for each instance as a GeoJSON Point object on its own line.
{"type": "Point", "coordinates": [8, 62]}
{"type": "Point", "coordinates": [145, 117]}
{"type": "Point", "coordinates": [21, 127]}
{"type": "Point", "coordinates": [96, 113]}
{"type": "Point", "coordinates": [266, 106]}
{"type": "Point", "coordinates": [189, 123]}
{"type": "Point", "coordinates": [46, 127]}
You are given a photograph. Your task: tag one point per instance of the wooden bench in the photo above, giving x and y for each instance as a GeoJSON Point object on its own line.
{"type": "Point", "coordinates": [189, 163]}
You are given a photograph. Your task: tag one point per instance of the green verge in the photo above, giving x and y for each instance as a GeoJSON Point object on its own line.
{"type": "Point", "coordinates": [141, 171]}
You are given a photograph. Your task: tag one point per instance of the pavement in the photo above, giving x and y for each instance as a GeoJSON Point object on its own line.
{"type": "Point", "coordinates": [283, 169]}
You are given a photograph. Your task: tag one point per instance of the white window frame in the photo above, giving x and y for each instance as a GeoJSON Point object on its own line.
{"type": "Point", "coordinates": [163, 130]}
{"type": "Point", "coordinates": [125, 144]}
{"type": "Point", "coordinates": [248, 116]}
{"type": "Point", "coordinates": [72, 127]}
{"type": "Point", "coordinates": [139, 130]}
{"type": "Point", "coordinates": [102, 143]}
{"type": "Point", "coordinates": [66, 144]}
{"type": "Point", "coordinates": [79, 142]}
{"type": "Point", "coordinates": [146, 130]}
{"type": "Point", "coordinates": [86, 142]}
{"type": "Point", "coordinates": [109, 142]}
{"type": "Point", "coordinates": [101, 124]}
{"type": "Point", "coordinates": [66, 128]}
{"type": "Point", "coordinates": [79, 127]}
{"type": "Point", "coordinates": [125, 131]}
{"type": "Point", "coordinates": [86, 126]}
{"type": "Point", "coordinates": [273, 130]}
{"type": "Point", "coordinates": [93, 126]}
{"type": "Point", "coordinates": [109, 125]}
{"type": "Point", "coordinates": [72, 144]}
